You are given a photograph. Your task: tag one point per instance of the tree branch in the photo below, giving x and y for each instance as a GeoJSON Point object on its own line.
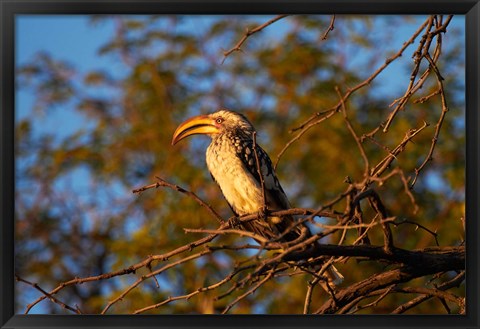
{"type": "Point", "coordinates": [440, 260]}
{"type": "Point", "coordinates": [248, 33]}
{"type": "Point", "coordinates": [330, 28]}
{"type": "Point", "coordinates": [162, 182]}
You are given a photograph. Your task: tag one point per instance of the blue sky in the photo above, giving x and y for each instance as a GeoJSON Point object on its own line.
{"type": "Point", "coordinates": [67, 37]}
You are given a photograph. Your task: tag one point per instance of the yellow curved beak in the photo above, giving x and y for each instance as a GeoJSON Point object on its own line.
{"type": "Point", "coordinates": [201, 124]}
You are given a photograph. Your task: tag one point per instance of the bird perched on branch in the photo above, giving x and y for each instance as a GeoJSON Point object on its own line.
{"type": "Point", "coordinates": [246, 176]}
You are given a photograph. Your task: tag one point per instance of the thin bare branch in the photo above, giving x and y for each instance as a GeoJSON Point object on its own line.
{"type": "Point", "coordinates": [330, 28]}
{"type": "Point", "coordinates": [162, 182]}
{"type": "Point", "coordinates": [354, 135]}
{"type": "Point", "coordinates": [455, 282]}
{"type": "Point", "coordinates": [249, 292]}
{"type": "Point", "coordinates": [438, 126]}
{"type": "Point", "coordinates": [248, 33]}
{"type": "Point", "coordinates": [49, 296]}
{"type": "Point", "coordinates": [385, 163]}
{"type": "Point", "coordinates": [319, 117]}
{"type": "Point", "coordinates": [152, 274]}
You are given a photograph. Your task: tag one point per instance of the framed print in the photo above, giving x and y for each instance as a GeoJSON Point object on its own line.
{"type": "Point", "coordinates": [187, 164]}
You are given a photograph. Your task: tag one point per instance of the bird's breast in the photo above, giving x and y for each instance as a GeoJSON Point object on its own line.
{"type": "Point", "coordinates": [239, 187]}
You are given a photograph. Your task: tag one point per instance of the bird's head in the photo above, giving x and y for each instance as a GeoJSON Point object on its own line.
{"type": "Point", "coordinates": [214, 124]}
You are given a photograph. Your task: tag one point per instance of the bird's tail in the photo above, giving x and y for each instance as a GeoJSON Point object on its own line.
{"type": "Point", "coordinates": [334, 276]}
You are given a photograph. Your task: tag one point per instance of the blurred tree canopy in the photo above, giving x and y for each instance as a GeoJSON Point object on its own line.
{"type": "Point", "coordinates": [76, 215]}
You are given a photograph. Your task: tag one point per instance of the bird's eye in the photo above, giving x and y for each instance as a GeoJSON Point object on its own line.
{"type": "Point", "coordinates": [219, 120]}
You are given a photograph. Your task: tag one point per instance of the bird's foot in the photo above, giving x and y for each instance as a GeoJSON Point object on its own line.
{"type": "Point", "coordinates": [234, 222]}
{"type": "Point", "coordinates": [263, 212]}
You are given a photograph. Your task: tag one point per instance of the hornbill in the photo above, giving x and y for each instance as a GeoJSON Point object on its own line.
{"type": "Point", "coordinates": [232, 161]}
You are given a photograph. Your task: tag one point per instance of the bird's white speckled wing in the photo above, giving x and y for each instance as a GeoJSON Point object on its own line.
{"type": "Point", "coordinates": [276, 197]}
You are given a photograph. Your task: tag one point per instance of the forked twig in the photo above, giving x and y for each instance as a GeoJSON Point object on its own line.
{"type": "Point", "coordinates": [248, 33]}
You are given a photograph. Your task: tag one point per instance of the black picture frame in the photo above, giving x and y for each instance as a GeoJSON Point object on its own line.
{"type": "Point", "coordinates": [10, 8]}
